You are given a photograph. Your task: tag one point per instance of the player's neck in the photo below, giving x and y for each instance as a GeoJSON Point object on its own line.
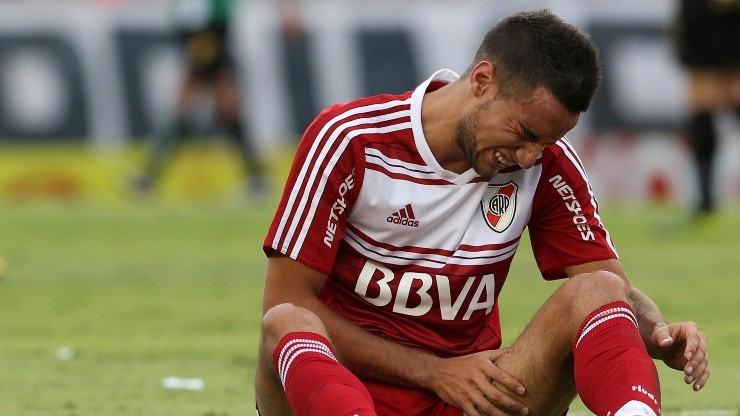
{"type": "Point", "coordinates": [440, 112]}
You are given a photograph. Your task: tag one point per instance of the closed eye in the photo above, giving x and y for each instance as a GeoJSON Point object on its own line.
{"type": "Point", "coordinates": [530, 135]}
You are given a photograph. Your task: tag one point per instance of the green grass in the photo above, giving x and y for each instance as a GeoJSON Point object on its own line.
{"type": "Point", "coordinates": [145, 291]}
{"type": "Point", "coordinates": [140, 293]}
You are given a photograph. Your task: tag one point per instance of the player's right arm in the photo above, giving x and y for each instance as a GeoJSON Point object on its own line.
{"type": "Point", "coordinates": [464, 382]}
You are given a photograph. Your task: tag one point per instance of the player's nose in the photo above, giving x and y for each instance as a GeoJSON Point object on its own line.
{"type": "Point", "coordinates": [526, 156]}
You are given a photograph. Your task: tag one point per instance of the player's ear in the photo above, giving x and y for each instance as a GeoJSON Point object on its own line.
{"type": "Point", "coordinates": [482, 78]}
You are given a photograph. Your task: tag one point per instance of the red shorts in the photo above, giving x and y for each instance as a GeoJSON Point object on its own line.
{"type": "Point", "coordinates": [393, 400]}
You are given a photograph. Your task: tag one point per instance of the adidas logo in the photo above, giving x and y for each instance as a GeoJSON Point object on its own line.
{"type": "Point", "coordinates": [404, 216]}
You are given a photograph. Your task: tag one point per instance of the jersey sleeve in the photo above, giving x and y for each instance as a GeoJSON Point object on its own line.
{"type": "Point", "coordinates": [565, 226]}
{"type": "Point", "coordinates": [319, 193]}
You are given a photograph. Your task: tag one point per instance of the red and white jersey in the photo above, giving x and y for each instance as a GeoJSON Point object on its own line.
{"type": "Point", "coordinates": [413, 252]}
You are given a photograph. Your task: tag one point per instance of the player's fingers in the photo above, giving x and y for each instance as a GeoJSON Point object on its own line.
{"type": "Point", "coordinates": [500, 402]}
{"type": "Point", "coordinates": [698, 358]}
{"type": "Point", "coordinates": [693, 340]}
{"type": "Point", "coordinates": [509, 382]}
{"type": "Point", "coordinates": [699, 370]}
{"type": "Point", "coordinates": [702, 380]}
{"type": "Point", "coordinates": [488, 408]}
{"type": "Point", "coordinates": [477, 402]}
{"type": "Point", "coordinates": [470, 410]}
{"type": "Point", "coordinates": [476, 405]}
{"type": "Point", "coordinates": [496, 373]}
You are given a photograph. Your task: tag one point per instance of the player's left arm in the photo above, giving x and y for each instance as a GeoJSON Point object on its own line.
{"type": "Point", "coordinates": [680, 345]}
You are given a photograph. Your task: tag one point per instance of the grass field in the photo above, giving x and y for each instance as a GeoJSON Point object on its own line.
{"type": "Point", "coordinates": [103, 299]}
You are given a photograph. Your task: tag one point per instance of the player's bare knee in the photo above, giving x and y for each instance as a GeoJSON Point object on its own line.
{"type": "Point", "coordinates": [285, 318]}
{"type": "Point", "coordinates": [596, 288]}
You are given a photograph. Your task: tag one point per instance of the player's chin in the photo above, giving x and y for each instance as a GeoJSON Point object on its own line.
{"type": "Point", "coordinates": [487, 171]}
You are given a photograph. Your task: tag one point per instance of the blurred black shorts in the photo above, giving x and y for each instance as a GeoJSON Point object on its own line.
{"type": "Point", "coordinates": [207, 51]}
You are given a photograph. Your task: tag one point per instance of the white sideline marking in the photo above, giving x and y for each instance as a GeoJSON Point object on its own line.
{"type": "Point", "coordinates": [708, 412]}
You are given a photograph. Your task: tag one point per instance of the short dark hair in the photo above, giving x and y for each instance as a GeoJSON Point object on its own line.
{"type": "Point", "coordinates": [537, 48]}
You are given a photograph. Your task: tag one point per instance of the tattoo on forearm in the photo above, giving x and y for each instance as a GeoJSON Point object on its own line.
{"type": "Point", "coordinates": [636, 302]}
{"type": "Point", "coordinates": [645, 310]}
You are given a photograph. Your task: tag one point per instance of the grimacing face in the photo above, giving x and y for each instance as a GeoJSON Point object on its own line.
{"type": "Point", "coordinates": [498, 133]}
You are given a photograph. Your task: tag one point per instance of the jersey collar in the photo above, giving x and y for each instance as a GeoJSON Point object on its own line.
{"type": "Point", "coordinates": [444, 76]}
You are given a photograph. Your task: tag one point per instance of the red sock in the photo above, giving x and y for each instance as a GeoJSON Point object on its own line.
{"type": "Point", "coordinates": [613, 371]}
{"type": "Point", "coordinates": [314, 381]}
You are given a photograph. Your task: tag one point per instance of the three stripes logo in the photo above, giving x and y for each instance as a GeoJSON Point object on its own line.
{"type": "Point", "coordinates": [404, 216]}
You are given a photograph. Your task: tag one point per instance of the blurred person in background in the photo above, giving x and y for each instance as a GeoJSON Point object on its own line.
{"type": "Point", "coordinates": [707, 35]}
{"type": "Point", "coordinates": [204, 30]}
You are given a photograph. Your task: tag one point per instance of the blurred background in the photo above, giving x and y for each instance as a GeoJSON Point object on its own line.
{"type": "Point", "coordinates": [106, 292]}
{"type": "Point", "coordinates": [103, 72]}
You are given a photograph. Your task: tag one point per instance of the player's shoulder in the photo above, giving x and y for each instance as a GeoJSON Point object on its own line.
{"type": "Point", "coordinates": [561, 159]}
{"type": "Point", "coordinates": [375, 105]}
{"type": "Point", "coordinates": [561, 152]}
{"type": "Point", "coordinates": [355, 118]}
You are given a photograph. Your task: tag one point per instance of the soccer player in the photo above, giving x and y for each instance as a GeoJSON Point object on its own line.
{"type": "Point", "coordinates": [395, 235]}
{"type": "Point", "coordinates": [706, 37]}
{"type": "Point", "coordinates": [203, 29]}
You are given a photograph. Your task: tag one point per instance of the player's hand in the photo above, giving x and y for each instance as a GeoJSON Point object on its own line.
{"type": "Point", "coordinates": [467, 383]}
{"type": "Point", "coordinates": [683, 347]}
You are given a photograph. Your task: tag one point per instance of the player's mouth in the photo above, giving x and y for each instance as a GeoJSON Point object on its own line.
{"type": "Point", "coordinates": [501, 160]}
